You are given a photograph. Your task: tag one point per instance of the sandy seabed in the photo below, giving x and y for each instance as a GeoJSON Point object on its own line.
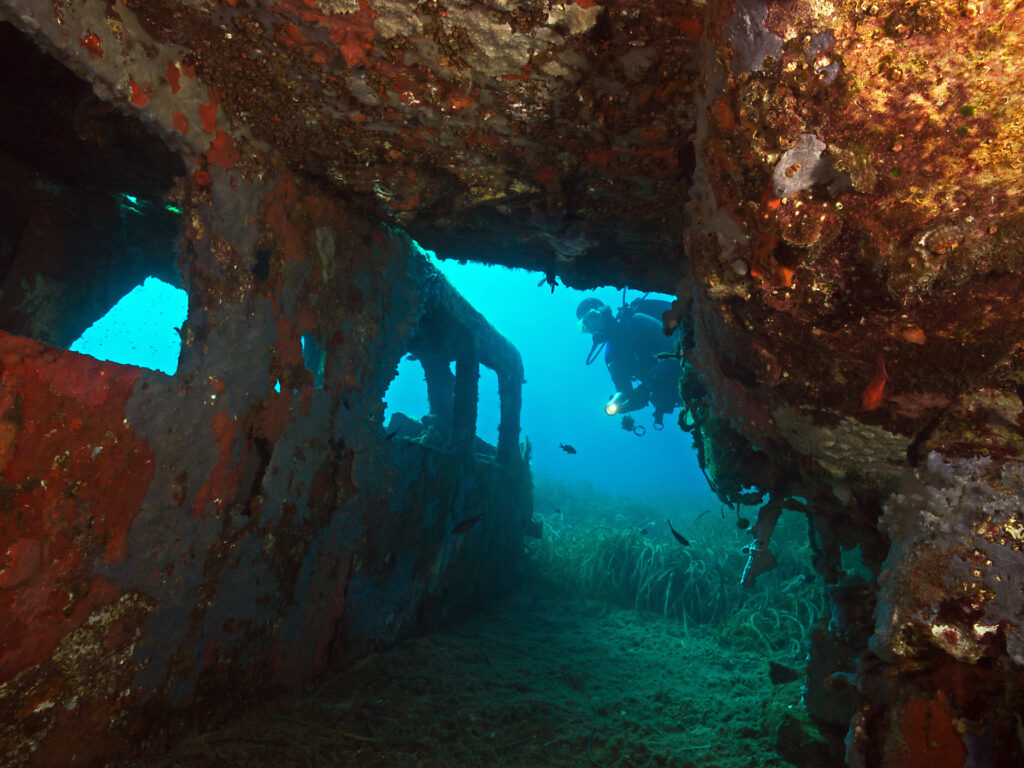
{"type": "Point", "coordinates": [528, 682]}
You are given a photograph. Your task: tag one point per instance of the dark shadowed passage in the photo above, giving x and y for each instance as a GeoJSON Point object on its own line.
{"type": "Point", "coordinates": [619, 648]}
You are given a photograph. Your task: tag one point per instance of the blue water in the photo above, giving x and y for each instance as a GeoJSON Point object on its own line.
{"type": "Point", "coordinates": [563, 399]}
{"type": "Point", "coordinates": [140, 328]}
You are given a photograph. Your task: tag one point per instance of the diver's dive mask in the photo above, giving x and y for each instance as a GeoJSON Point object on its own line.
{"type": "Point", "coordinates": [591, 321]}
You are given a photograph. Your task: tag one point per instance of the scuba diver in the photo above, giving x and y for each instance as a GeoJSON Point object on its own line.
{"type": "Point", "coordinates": [636, 350]}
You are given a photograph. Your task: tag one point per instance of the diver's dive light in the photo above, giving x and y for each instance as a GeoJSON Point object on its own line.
{"type": "Point", "coordinates": [616, 404]}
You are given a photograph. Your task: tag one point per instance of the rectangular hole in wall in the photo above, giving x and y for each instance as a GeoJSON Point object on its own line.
{"type": "Point", "coordinates": [406, 406]}
{"type": "Point", "coordinates": [143, 328]}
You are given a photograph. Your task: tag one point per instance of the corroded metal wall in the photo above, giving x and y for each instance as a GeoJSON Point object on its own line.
{"type": "Point", "coordinates": [189, 541]}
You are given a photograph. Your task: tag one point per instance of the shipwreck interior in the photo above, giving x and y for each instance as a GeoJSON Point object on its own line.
{"type": "Point", "coordinates": [831, 192]}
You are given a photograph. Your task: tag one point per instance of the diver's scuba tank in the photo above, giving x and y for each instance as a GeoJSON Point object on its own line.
{"type": "Point", "coordinates": [654, 308]}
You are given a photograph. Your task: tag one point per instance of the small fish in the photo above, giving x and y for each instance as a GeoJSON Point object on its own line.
{"type": "Point", "coordinates": [679, 537]}
{"type": "Point", "coordinates": [550, 279]}
{"type": "Point", "coordinates": [567, 448]}
{"type": "Point", "coordinates": [466, 524]}
{"type": "Point", "coordinates": [780, 673]}
{"type": "Point", "coordinates": [392, 434]}
{"type": "Point", "coordinates": [872, 397]}
{"type": "Point", "coordinates": [742, 523]}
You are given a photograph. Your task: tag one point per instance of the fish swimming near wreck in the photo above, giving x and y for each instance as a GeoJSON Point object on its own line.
{"type": "Point", "coordinates": [462, 527]}
{"type": "Point", "coordinates": [875, 390]}
{"type": "Point", "coordinates": [567, 448]}
{"type": "Point", "coordinates": [679, 537]}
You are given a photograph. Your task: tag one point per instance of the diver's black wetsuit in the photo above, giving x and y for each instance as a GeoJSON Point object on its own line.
{"type": "Point", "coordinates": [633, 345]}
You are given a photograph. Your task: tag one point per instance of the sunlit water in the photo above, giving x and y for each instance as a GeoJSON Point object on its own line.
{"type": "Point", "coordinates": [563, 398]}
{"type": "Point", "coordinates": [140, 329]}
